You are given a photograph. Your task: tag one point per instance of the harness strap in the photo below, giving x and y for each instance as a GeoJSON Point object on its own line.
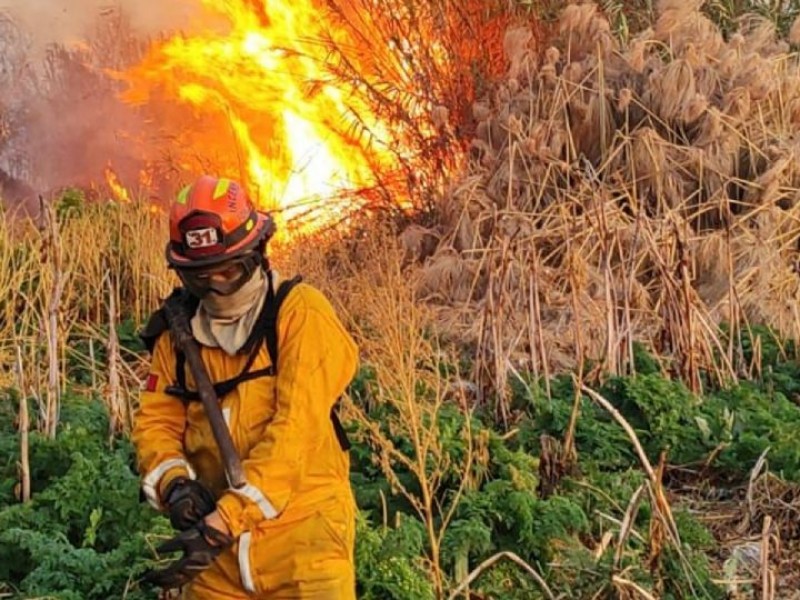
{"type": "Point", "coordinates": [267, 325]}
{"type": "Point", "coordinates": [221, 388]}
{"type": "Point", "coordinates": [180, 376]}
{"type": "Point", "coordinates": [338, 428]}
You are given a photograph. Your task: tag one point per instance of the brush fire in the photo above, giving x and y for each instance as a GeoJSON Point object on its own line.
{"type": "Point", "coordinates": [269, 113]}
{"type": "Point", "coordinates": [607, 249]}
{"type": "Point", "coordinates": [323, 108]}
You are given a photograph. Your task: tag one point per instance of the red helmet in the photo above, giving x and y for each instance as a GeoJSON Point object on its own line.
{"type": "Point", "coordinates": [214, 220]}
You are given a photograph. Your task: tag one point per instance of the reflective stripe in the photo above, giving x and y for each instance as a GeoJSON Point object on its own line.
{"type": "Point", "coordinates": [222, 187]}
{"type": "Point", "coordinates": [184, 193]}
{"type": "Point", "coordinates": [151, 480]}
{"type": "Point", "coordinates": [244, 562]}
{"type": "Point", "coordinates": [226, 414]}
{"type": "Point", "coordinates": [251, 492]}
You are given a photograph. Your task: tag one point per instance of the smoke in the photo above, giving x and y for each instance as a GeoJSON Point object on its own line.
{"type": "Point", "coordinates": [71, 21]}
{"type": "Point", "coordinates": [62, 122]}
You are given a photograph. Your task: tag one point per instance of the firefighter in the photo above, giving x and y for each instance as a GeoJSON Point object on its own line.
{"type": "Point", "coordinates": [289, 532]}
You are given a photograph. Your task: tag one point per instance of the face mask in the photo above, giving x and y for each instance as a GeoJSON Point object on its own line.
{"type": "Point", "coordinates": [233, 306]}
{"type": "Point", "coordinates": [226, 321]}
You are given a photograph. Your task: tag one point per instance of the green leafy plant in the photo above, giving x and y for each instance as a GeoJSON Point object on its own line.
{"type": "Point", "coordinates": [84, 533]}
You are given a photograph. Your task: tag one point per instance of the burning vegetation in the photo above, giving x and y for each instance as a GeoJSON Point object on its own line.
{"type": "Point", "coordinates": [603, 243]}
{"type": "Point", "coordinates": [323, 109]}
{"type": "Point", "coordinates": [326, 109]}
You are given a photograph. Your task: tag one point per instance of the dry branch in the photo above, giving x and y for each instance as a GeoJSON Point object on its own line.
{"type": "Point", "coordinates": [627, 584]}
{"type": "Point", "coordinates": [54, 256]}
{"type": "Point", "coordinates": [661, 506]}
{"type": "Point", "coordinates": [486, 564]}
{"type": "Point", "coordinates": [627, 525]}
{"type": "Point", "coordinates": [116, 404]}
{"type": "Point", "coordinates": [24, 429]}
{"type": "Point", "coordinates": [767, 574]}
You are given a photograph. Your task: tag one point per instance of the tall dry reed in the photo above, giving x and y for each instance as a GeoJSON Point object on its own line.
{"type": "Point", "coordinates": [623, 191]}
{"type": "Point", "coordinates": [66, 277]}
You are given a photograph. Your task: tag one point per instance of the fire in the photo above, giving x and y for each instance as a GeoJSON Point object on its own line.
{"type": "Point", "coordinates": [266, 109]}
{"type": "Point", "coordinates": [119, 191]}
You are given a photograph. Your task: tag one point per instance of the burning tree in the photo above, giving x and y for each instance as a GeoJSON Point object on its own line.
{"type": "Point", "coordinates": [327, 109]}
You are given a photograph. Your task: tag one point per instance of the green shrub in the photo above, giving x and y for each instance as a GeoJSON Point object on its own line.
{"type": "Point", "coordinates": [84, 532]}
{"type": "Point", "coordinates": [388, 561]}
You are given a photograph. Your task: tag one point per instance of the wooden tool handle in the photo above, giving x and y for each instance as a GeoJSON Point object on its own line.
{"type": "Point", "coordinates": [181, 333]}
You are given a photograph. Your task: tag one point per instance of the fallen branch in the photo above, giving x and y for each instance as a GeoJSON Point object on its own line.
{"type": "Point", "coordinates": [628, 429]}
{"type": "Point", "coordinates": [655, 481]}
{"type": "Point", "coordinates": [491, 561]}
{"type": "Point", "coordinates": [767, 575]}
{"type": "Point", "coordinates": [624, 583]}
{"type": "Point", "coordinates": [627, 524]}
{"type": "Point", "coordinates": [660, 505]}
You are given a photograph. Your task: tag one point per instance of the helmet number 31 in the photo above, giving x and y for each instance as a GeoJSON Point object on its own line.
{"type": "Point", "coordinates": [202, 238]}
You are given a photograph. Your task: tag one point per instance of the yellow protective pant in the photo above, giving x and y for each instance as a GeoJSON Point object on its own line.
{"type": "Point", "coordinates": [308, 559]}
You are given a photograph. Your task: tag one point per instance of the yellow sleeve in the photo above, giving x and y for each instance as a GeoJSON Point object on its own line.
{"type": "Point", "coordinates": [317, 359]}
{"type": "Point", "coordinates": [158, 427]}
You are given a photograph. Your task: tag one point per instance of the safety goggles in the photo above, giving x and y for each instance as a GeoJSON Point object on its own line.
{"type": "Point", "coordinates": [224, 278]}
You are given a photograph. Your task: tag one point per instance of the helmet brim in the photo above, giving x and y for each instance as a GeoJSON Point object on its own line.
{"type": "Point", "coordinates": [263, 229]}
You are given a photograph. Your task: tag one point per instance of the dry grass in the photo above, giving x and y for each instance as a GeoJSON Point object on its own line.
{"type": "Point", "coordinates": [756, 529]}
{"type": "Point", "coordinates": [59, 285]}
{"type": "Point", "coordinates": [617, 192]}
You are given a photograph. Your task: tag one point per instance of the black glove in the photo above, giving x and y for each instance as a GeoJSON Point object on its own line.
{"type": "Point", "coordinates": [200, 545]}
{"type": "Point", "coordinates": [188, 501]}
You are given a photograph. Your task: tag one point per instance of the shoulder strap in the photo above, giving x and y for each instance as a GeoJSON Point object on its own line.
{"type": "Point", "coordinates": [271, 318]}
{"type": "Point", "coordinates": [271, 339]}
{"type": "Point", "coordinates": [266, 329]}
{"type": "Point", "coordinates": [157, 322]}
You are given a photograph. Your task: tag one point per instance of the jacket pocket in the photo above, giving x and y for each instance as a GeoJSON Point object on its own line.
{"type": "Point", "coordinates": [312, 554]}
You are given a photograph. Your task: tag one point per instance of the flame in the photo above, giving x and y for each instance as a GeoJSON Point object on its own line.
{"type": "Point", "coordinates": [145, 178]}
{"type": "Point", "coordinates": [119, 191]}
{"type": "Point", "coordinates": [267, 111]}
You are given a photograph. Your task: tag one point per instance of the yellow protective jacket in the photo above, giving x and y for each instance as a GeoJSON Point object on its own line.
{"type": "Point", "coordinates": [294, 520]}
